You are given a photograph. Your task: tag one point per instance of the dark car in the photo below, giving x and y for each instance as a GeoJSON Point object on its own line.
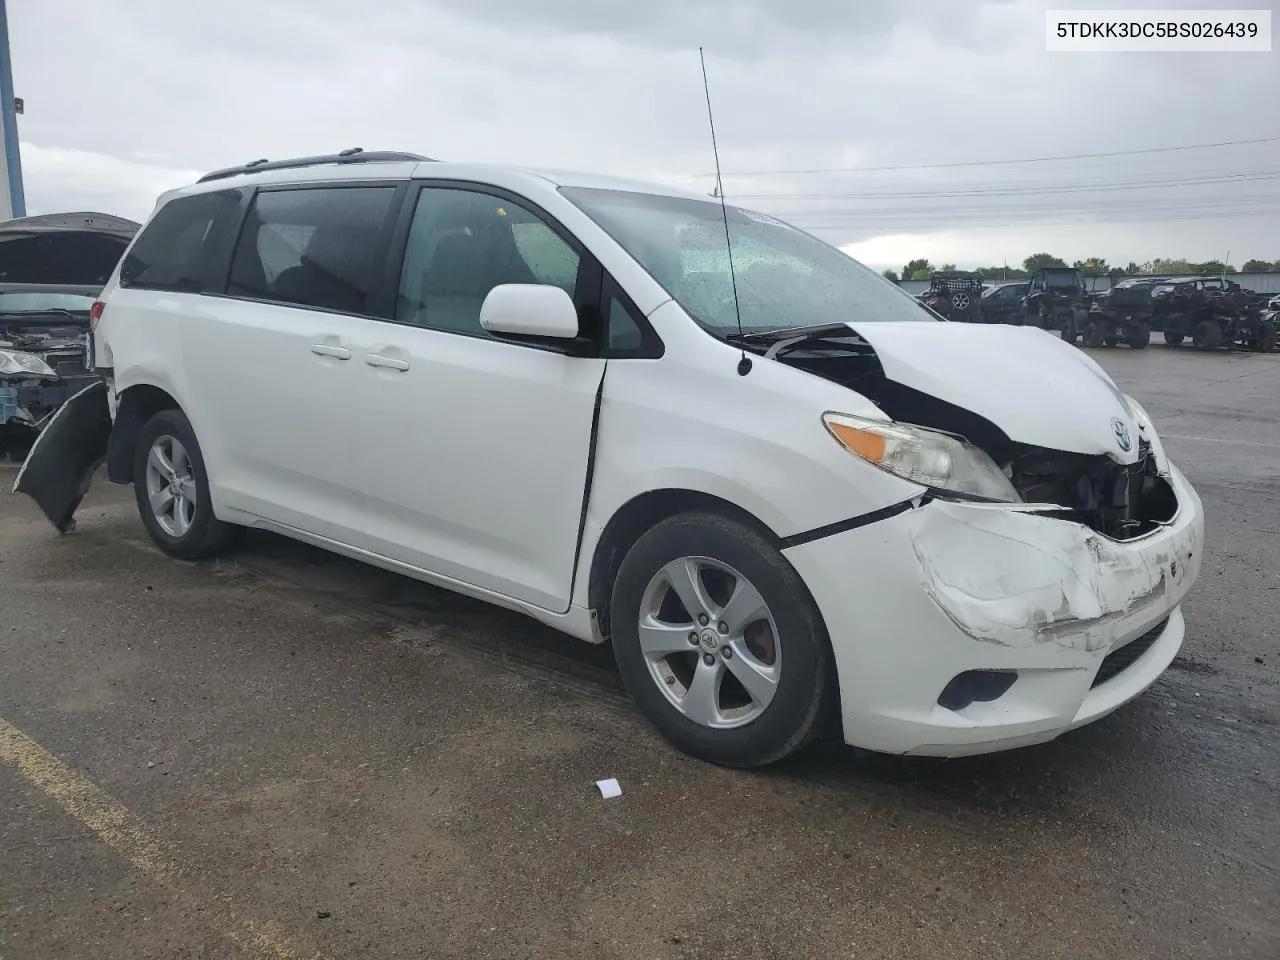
{"type": "Point", "coordinates": [52, 268]}
{"type": "Point", "coordinates": [1002, 302]}
{"type": "Point", "coordinates": [956, 295]}
{"type": "Point", "coordinates": [1057, 300]}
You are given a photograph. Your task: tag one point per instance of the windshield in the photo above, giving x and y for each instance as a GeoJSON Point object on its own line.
{"type": "Point", "coordinates": [34, 302]}
{"type": "Point", "coordinates": [1061, 280]}
{"type": "Point", "coordinates": [785, 277]}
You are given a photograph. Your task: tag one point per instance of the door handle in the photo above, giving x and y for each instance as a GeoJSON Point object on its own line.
{"type": "Point", "coordinates": [391, 363]}
{"type": "Point", "coordinates": [327, 350]}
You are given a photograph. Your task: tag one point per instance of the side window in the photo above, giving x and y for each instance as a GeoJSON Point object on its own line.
{"type": "Point", "coordinates": [625, 335]}
{"type": "Point", "coordinates": [462, 244]}
{"type": "Point", "coordinates": [171, 252]}
{"type": "Point", "coordinates": [312, 247]}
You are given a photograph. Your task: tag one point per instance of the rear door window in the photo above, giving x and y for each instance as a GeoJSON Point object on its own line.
{"type": "Point", "coordinates": [313, 247]}
{"type": "Point", "coordinates": [178, 249]}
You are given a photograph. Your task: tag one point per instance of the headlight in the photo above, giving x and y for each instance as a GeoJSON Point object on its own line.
{"type": "Point", "coordinates": [926, 457]}
{"type": "Point", "coordinates": [15, 361]}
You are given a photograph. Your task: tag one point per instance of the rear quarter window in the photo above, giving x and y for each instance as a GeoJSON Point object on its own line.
{"type": "Point", "coordinates": [174, 250]}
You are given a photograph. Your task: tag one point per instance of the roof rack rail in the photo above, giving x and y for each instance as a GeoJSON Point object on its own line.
{"type": "Point", "coordinates": [352, 155]}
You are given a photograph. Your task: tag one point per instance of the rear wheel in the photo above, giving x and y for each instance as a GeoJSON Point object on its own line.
{"type": "Point", "coordinates": [172, 489]}
{"type": "Point", "coordinates": [719, 643]}
{"type": "Point", "coordinates": [1069, 332]}
{"type": "Point", "coordinates": [1265, 341]}
{"type": "Point", "coordinates": [1207, 335]}
{"type": "Point", "coordinates": [1095, 334]}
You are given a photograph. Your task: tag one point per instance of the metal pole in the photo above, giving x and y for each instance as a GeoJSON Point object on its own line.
{"type": "Point", "coordinates": [9, 115]}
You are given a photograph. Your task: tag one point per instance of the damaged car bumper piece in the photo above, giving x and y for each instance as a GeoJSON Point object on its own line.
{"type": "Point", "coordinates": [989, 626]}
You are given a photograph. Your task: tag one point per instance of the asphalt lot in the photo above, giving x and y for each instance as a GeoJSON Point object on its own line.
{"type": "Point", "coordinates": [284, 754]}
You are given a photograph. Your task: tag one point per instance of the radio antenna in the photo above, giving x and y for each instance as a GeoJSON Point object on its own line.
{"type": "Point", "coordinates": [744, 364]}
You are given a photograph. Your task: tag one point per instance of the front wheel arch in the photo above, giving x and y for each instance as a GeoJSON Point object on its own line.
{"type": "Point", "coordinates": [633, 519]}
{"type": "Point", "coordinates": [136, 406]}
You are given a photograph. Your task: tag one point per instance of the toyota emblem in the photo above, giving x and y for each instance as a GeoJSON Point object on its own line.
{"type": "Point", "coordinates": [1121, 431]}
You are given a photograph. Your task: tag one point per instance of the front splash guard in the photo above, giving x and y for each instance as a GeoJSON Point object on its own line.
{"type": "Point", "coordinates": [61, 462]}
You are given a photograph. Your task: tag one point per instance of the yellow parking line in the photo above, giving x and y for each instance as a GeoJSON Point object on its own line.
{"type": "Point", "coordinates": [115, 826]}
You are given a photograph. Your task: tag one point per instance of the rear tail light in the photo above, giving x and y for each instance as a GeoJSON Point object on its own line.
{"type": "Point", "coordinates": [95, 314]}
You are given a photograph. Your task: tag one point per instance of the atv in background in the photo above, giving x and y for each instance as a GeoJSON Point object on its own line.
{"type": "Point", "coordinates": [1057, 300]}
{"type": "Point", "coordinates": [956, 295]}
{"type": "Point", "coordinates": [1214, 312]}
{"type": "Point", "coordinates": [1121, 314]}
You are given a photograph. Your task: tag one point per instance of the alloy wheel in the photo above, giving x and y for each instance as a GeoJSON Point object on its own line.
{"type": "Point", "coordinates": [710, 642]}
{"type": "Point", "coordinates": [171, 486]}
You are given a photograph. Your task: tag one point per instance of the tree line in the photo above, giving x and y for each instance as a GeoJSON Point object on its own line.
{"type": "Point", "coordinates": [1094, 266]}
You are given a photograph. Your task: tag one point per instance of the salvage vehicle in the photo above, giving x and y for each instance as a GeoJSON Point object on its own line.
{"type": "Point", "coordinates": [956, 295]}
{"type": "Point", "coordinates": [1057, 300]}
{"type": "Point", "coordinates": [1121, 314]}
{"type": "Point", "coordinates": [1003, 302]}
{"type": "Point", "coordinates": [1214, 312]}
{"type": "Point", "coordinates": [52, 267]}
{"type": "Point", "coordinates": [780, 487]}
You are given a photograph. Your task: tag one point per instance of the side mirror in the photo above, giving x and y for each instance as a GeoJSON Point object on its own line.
{"type": "Point", "coordinates": [529, 310]}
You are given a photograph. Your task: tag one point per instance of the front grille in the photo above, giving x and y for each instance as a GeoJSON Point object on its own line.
{"type": "Point", "coordinates": [1118, 661]}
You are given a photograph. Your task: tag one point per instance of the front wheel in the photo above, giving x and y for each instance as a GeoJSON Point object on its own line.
{"type": "Point", "coordinates": [719, 643]}
{"type": "Point", "coordinates": [1095, 334]}
{"type": "Point", "coordinates": [1207, 335]}
{"type": "Point", "coordinates": [1138, 336]}
{"type": "Point", "coordinates": [1069, 332]}
{"type": "Point", "coordinates": [171, 486]}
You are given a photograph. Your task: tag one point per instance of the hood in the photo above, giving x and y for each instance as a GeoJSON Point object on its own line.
{"type": "Point", "coordinates": [63, 248]}
{"type": "Point", "coordinates": [1036, 388]}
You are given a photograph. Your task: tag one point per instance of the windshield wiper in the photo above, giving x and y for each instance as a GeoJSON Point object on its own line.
{"type": "Point", "coordinates": [788, 337]}
{"type": "Point", "coordinates": [781, 333]}
{"type": "Point", "coordinates": [51, 312]}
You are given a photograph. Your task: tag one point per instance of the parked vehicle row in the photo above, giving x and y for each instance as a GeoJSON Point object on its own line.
{"type": "Point", "coordinates": [1210, 312]}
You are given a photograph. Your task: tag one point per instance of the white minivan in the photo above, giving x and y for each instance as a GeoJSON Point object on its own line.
{"type": "Point", "coordinates": [783, 490]}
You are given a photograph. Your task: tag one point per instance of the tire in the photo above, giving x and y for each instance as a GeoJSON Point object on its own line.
{"type": "Point", "coordinates": [185, 527]}
{"type": "Point", "coordinates": [1095, 334]}
{"type": "Point", "coordinates": [662, 680]}
{"type": "Point", "coordinates": [1172, 338]}
{"type": "Point", "coordinates": [1138, 336]}
{"type": "Point", "coordinates": [1207, 335]}
{"type": "Point", "coordinates": [1069, 332]}
{"type": "Point", "coordinates": [1265, 341]}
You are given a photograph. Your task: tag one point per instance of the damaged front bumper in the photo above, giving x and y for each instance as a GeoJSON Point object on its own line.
{"type": "Point", "coordinates": [963, 628]}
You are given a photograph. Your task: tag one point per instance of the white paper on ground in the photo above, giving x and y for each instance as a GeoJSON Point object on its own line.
{"type": "Point", "coordinates": [609, 788]}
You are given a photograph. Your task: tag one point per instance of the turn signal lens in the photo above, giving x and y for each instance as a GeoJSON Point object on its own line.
{"type": "Point", "coordinates": [868, 445]}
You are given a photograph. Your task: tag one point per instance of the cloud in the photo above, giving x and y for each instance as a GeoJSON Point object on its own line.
{"type": "Point", "coordinates": [57, 179]}
{"type": "Point", "coordinates": [615, 87]}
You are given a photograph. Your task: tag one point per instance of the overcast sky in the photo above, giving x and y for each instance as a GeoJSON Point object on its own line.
{"type": "Point", "coordinates": [128, 98]}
